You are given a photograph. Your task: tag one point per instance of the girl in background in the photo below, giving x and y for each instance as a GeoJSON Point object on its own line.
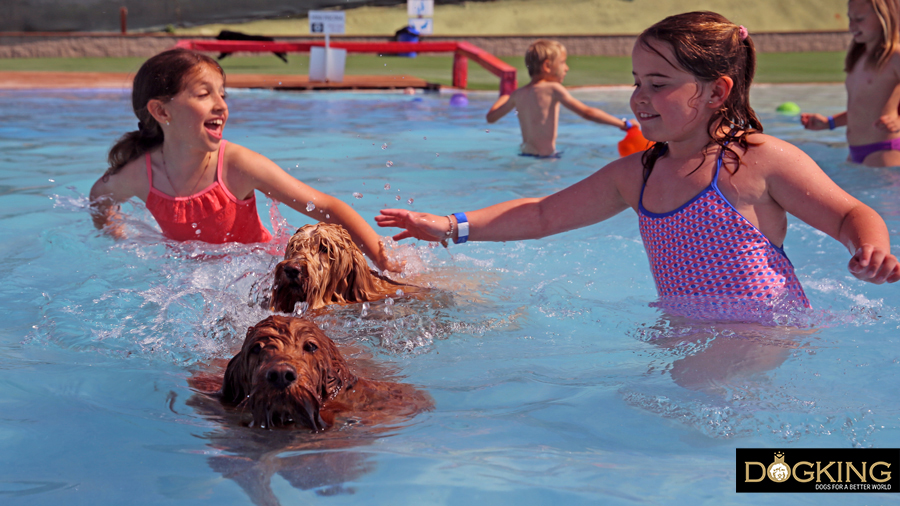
{"type": "Point", "coordinates": [873, 85]}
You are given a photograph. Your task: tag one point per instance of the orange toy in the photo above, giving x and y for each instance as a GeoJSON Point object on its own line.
{"type": "Point", "coordinates": [633, 142]}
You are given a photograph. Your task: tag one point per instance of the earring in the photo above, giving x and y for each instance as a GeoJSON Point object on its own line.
{"type": "Point", "coordinates": [167, 121]}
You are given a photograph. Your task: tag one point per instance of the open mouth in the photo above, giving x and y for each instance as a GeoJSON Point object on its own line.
{"type": "Point", "coordinates": [644, 116]}
{"type": "Point", "coordinates": [215, 127]}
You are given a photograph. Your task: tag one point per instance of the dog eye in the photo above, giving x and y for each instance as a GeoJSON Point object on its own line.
{"type": "Point", "coordinates": [310, 347]}
{"type": "Point", "coordinates": [256, 349]}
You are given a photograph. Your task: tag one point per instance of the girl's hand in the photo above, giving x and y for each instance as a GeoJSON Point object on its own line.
{"type": "Point", "coordinates": [814, 121]}
{"type": "Point", "coordinates": [427, 227]}
{"type": "Point", "coordinates": [874, 265]}
{"type": "Point", "coordinates": [888, 123]}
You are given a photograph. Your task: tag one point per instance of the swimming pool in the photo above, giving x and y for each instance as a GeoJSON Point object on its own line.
{"type": "Point", "coordinates": [553, 380]}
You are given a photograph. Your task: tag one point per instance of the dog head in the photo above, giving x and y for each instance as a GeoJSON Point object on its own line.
{"type": "Point", "coordinates": [322, 266]}
{"type": "Point", "coordinates": [286, 370]}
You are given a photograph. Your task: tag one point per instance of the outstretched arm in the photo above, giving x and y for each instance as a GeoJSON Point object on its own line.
{"type": "Point", "coordinates": [589, 201]}
{"type": "Point", "coordinates": [269, 178]}
{"type": "Point", "coordinates": [813, 121]}
{"type": "Point", "coordinates": [501, 108]}
{"type": "Point", "coordinates": [798, 184]}
{"type": "Point", "coordinates": [587, 112]}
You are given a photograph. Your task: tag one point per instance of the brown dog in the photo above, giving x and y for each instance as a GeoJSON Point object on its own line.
{"type": "Point", "coordinates": [323, 266]}
{"type": "Point", "coordinates": [290, 374]}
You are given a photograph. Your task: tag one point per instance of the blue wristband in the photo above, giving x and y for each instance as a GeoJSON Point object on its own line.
{"type": "Point", "coordinates": [463, 224]}
{"type": "Point", "coordinates": [628, 124]}
{"type": "Point", "coordinates": [831, 125]}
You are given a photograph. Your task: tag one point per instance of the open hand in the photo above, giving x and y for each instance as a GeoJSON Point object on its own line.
{"type": "Point", "coordinates": [874, 265]}
{"type": "Point", "coordinates": [424, 226]}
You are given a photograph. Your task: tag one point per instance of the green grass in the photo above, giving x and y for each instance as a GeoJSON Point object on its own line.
{"type": "Point", "coordinates": [584, 70]}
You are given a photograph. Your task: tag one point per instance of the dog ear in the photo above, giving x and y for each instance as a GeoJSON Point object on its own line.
{"type": "Point", "coordinates": [236, 383]}
{"type": "Point", "coordinates": [337, 375]}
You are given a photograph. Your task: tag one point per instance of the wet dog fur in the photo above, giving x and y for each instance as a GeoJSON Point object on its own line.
{"type": "Point", "coordinates": [289, 374]}
{"type": "Point", "coordinates": [323, 266]}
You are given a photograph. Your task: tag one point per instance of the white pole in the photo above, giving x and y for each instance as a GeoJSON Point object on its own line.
{"type": "Point", "coordinates": [326, 55]}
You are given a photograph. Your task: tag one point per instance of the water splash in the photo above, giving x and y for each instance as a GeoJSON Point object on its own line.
{"type": "Point", "coordinates": [310, 206]}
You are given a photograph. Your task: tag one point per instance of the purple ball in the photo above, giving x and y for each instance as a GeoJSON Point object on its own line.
{"type": "Point", "coordinates": [459, 100]}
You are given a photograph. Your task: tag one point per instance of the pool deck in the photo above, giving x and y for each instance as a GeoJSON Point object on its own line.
{"type": "Point", "coordinates": [22, 80]}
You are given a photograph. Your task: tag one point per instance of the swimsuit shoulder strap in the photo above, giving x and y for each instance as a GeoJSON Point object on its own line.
{"type": "Point", "coordinates": [149, 170]}
{"type": "Point", "coordinates": [715, 179]}
{"type": "Point", "coordinates": [219, 162]}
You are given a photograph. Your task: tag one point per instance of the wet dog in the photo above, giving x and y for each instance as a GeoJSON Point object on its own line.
{"type": "Point", "coordinates": [290, 377]}
{"type": "Point", "coordinates": [289, 374]}
{"type": "Point", "coordinates": [323, 266]}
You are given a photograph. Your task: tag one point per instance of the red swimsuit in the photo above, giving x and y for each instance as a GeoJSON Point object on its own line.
{"type": "Point", "coordinates": [213, 215]}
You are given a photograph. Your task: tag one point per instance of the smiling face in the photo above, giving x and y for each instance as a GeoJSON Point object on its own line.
{"type": "Point", "coordinates": [865, 26]}
{"type": "Point", "coordinates": [197, 114]}
{"type": "Point", "coordinates": [669, 103]}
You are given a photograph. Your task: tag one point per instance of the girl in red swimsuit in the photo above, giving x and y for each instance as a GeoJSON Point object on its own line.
{"type": "Point", "coordinates": [197, 185]}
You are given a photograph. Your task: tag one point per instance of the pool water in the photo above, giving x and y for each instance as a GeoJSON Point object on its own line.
{"type": "Point", "coordinates": [554, 381]}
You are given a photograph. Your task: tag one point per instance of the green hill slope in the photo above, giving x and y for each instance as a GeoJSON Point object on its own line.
{"type": "Point", "coordinates": [543, 17]}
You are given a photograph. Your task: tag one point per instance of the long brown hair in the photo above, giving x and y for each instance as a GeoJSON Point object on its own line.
{"type": "Point", "coordinates": [161, 77]}
{"type": "Point", "coordinates": [708, 46]}
{"type": "Point", "coordinates": [888, 12]}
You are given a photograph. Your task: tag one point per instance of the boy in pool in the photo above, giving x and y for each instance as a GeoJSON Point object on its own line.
{"type": "Point", "coordinates": [538, 102]}
{"type": "Point", "coordinates": [873, 85]}
{"type": "Point", "coordinates": [195, 184]}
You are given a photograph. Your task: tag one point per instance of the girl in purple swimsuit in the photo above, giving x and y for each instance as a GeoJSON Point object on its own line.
{"type": "Point", "coordinates": [712, 194]}
{"type": "Point", "coordinates": [873, 85]}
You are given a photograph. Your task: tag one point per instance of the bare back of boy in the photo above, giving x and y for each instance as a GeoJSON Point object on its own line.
{"type": "Point", "coordinates": [538, 112]}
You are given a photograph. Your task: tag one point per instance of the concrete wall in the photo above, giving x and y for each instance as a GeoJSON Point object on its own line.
{"type": "Point", "coordinates": [78, 45]}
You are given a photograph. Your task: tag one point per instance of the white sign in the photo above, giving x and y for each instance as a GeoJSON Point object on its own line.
{"type": "Point", "coordinates": [327, 21]}
{"type": "Point", "coordinates": [425, 26]}
{"type": "Point", "coordinates": [420, 8]}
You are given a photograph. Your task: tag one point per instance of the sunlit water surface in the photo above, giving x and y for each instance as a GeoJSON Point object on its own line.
{"type": "Point", "coordinates": [554, 381]}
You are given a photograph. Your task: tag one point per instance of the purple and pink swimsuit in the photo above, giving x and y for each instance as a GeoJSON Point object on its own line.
{"type": "Point", "coordinates": [709, 262]}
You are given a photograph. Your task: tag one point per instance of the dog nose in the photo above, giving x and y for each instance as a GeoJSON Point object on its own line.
{"type": "Point", "coordinates": [292, 272]}
{"type": "Point", "coordinates": [281, 375]}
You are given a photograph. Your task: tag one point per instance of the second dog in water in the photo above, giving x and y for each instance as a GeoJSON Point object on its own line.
{"type": "Point", "coordinates": [323, 266]}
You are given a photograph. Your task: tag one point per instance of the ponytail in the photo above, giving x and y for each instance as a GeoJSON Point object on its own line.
{"type": "Point", "coordinates": [134, 144]}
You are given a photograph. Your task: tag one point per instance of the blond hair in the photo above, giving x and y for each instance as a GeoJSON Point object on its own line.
{"type": "Point", "coordinates": [540, 51]}
{"type": "Point", "coordinates": [888, 12]}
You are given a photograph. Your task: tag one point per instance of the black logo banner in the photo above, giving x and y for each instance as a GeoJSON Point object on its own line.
{"type": "Point", "coordinates": [818, 470]}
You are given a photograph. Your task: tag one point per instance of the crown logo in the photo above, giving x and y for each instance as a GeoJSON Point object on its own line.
{"type": "Point", "coordinates": [778, 471]}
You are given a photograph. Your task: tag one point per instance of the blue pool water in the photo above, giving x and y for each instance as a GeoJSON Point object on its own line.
{"type": "Point", "coordinates": [554, 381]}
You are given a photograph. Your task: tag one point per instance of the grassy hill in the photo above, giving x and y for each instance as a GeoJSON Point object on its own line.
{"type": "Point", "coordinates": [545, 17]}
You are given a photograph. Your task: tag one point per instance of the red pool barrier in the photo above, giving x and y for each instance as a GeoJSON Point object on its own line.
{"type": "Point", "coordinates": [462, 52]}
